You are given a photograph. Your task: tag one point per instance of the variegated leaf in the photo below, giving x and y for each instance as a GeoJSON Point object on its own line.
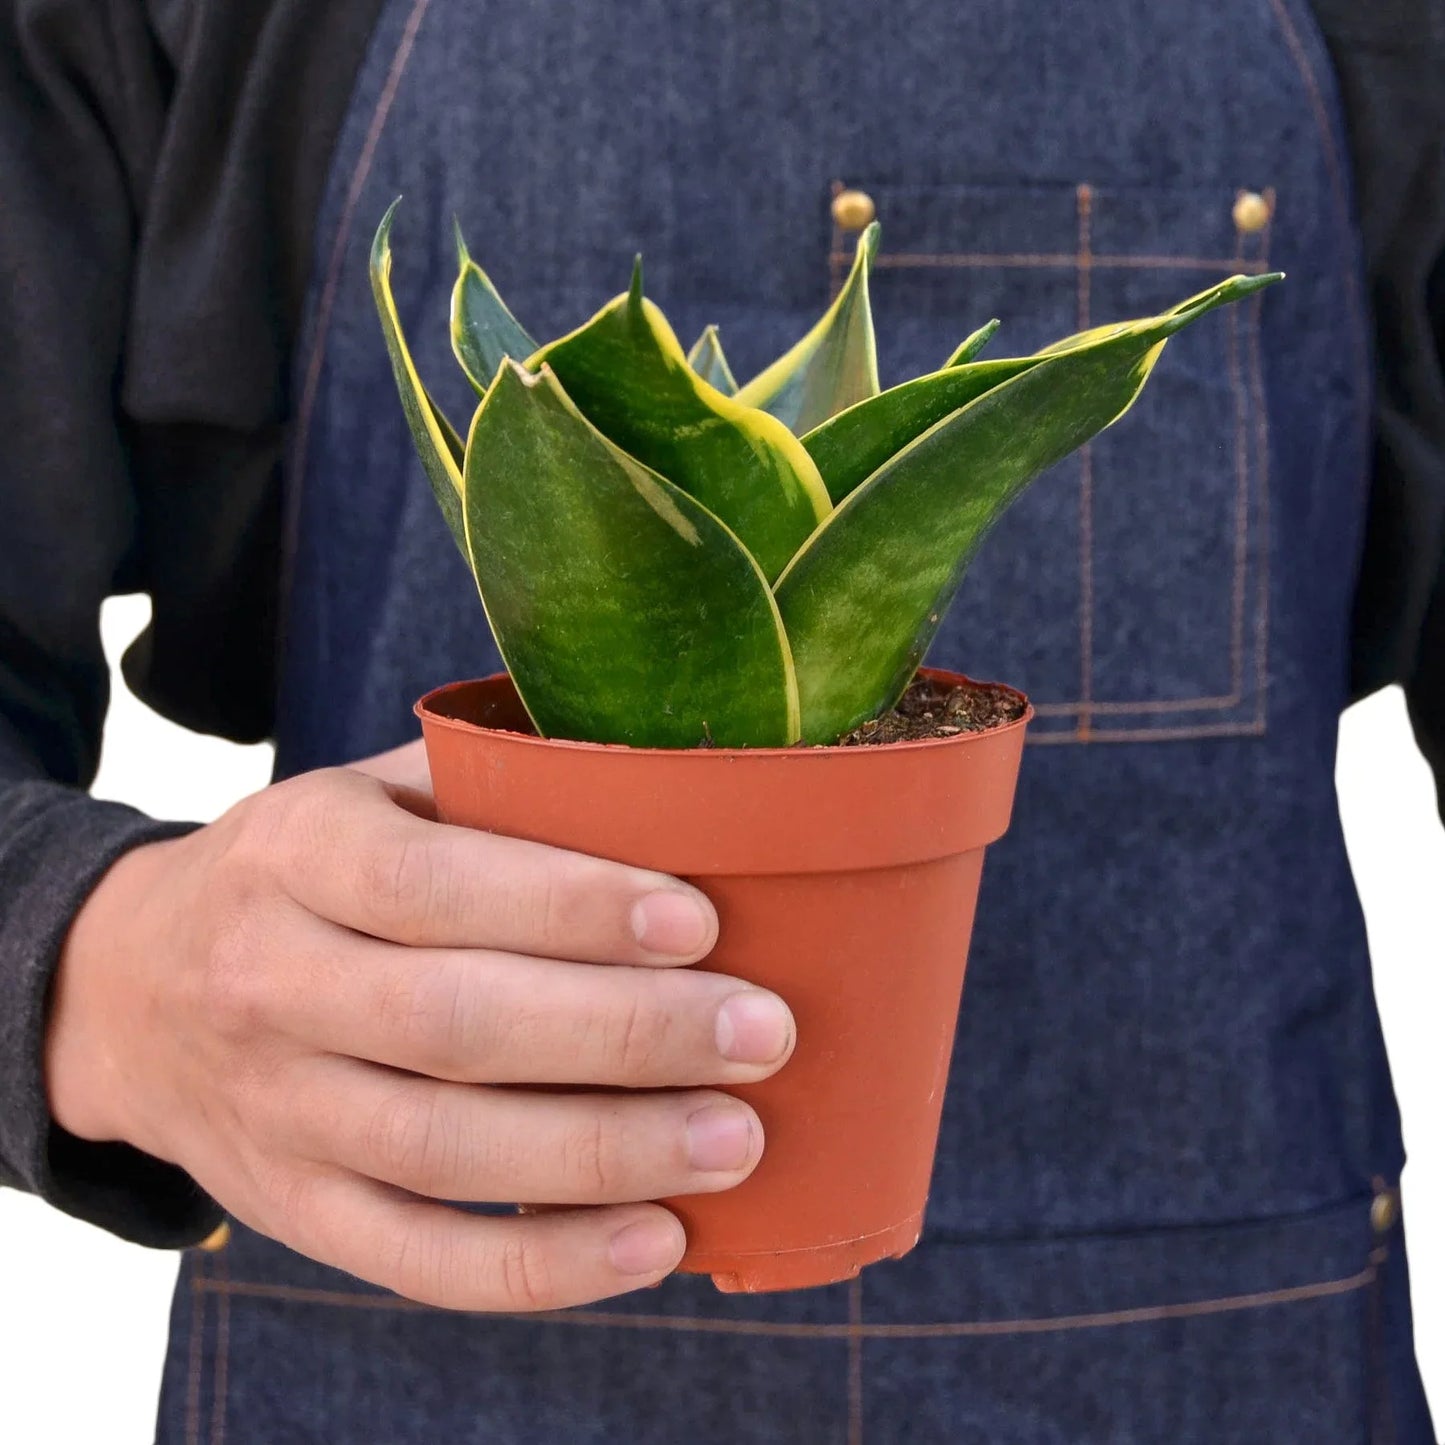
{"type": "Point", "coordinates": [437, 443]}
{"type": "Point", "coordinates": [707, 359]}
{"type": "Point", "coordinates": [483, 329]}
{"type": "Point", "coordinates": [627, 374]}
{"type": "Point", "coordinates": [973, 343]}
{"type": "Point", "coordinates": [625, 611]}
{"type": "Point", "coordinates": [835, 365]}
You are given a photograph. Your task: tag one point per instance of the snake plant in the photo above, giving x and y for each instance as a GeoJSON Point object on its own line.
{"type": "Point", "coordinates": [667, 558]}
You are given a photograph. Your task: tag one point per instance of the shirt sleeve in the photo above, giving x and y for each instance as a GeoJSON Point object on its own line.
{"type": "Point", "coordinates": [81, 105]}
{"type": "Point", "coordinates": [159, 209]}
{"type": "Point", "coordinates": [1389, 58]}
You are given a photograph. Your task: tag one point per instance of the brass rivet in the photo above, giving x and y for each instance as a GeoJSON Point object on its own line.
{"type": "Point", "coordinates": [1251, 211]}
{"type": "Point", "coordinates": [217, 1240]}
{"type": "Point", "coordinates": [1384, 1211]}
{"type": "Point", "coordinates": [853, 210]}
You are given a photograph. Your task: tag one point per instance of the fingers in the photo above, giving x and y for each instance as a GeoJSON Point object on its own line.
{"type": "Point", "coordinates": [407, 776]}
{"type": "Point", "coordinates": [453, 1260]}
{"type": "Point", "coordinates": [521, 1146]}
{"type": "Point", "coordinates": [351, 854]}
{"type": "Point", "coordinates": [484, 1017]}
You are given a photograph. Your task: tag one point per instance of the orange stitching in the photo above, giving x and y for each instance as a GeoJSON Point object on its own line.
{"type": "Point", "coordinates": [1089, 708]}
{"type": "Point", "coordinates": [1333, 165]}
{"type": "Point", "coordinates": [1126, 709]}
{"type": "Point", "coordinates": [688, 1324]}
{"type": "Point", "coordinates": [1149, 1314]}
{"type": "Point", "coordinates": [1241, 507]}
{"type": "Point", "coordinates": [903, 260]}
{"type": "Point", "coordinates": [221, 1373]}
{"type": "Point", "coordinates": [193, 1367]}
{"type": "Point", "coordinates": [1253, 729]}
{"type": "Point", "coordinates": [1084, 199]}
{"type": "Point", "coordinates": [1258, 726]}
{"type": "Point", "coordinates": [1261, 426]}
{"type": "Point", "coordinates": [855, 1361]}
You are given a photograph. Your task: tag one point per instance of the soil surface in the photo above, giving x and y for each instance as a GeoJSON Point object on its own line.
{"type": "Point", "coordinates": [927, 710]}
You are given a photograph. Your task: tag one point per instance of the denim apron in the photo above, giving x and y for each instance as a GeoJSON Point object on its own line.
{"type": "Point", "coordinates": [1165, 1203]}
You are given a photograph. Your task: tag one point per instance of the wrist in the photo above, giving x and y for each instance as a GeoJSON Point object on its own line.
{"type": "Point", "coordinates": [97, 1003]}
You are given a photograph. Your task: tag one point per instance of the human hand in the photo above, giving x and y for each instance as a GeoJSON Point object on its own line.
{"type": "Point", "coordinates": [320, 1007]}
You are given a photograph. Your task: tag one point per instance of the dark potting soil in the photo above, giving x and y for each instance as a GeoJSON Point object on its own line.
{"type": "Point", "coordinates": [928, 710]}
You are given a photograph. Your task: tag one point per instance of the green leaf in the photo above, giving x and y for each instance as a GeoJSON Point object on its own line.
{"type": "Point", "coordinates": [625, 611]}
{"type": "Point", "coordinates": [855, 443]}
{"type": "Point", "coordinates": [483, 330]}
{"type": "Point", "coordinates": [436, 439]}
{"type": "Point", "coordinates": [627, 374]}
{"type": "Point", "coordinates": [973, 344]}
{"type": "Point", "coordinates": [834, 365]}
{"type": "Point", "coordinates": [707, 359]}
{"type": "Point", "coordinates": [862, 600]}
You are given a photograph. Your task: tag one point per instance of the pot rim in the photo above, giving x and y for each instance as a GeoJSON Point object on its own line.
{"type": "Point", "coordinates": [426, 710]}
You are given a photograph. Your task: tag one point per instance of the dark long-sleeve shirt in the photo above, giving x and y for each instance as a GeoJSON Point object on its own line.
{"type": "Point", "coordinates": [161, 163]}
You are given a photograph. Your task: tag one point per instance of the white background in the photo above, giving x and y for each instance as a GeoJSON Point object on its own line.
{"type": "Point", "coordinates": [83, 1317]}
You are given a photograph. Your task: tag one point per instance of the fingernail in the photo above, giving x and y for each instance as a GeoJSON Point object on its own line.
{"type": "Point", "coordinates": [646, 1247]}
{"type": "Point", "coordinates": [754, 1028]}
{"type": "Point", "coordinates": [672, 922]}
{"type": "Point", "coordinates": [719, 1138]}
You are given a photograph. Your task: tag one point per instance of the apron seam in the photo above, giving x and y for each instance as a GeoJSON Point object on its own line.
{"type": "Point", "coordinates": [194, 1365]}
{"type": "Point", "coordinates": [221, 1366]}
{"type": "Point", "coordinates": [300, 441]}
{"type": "Point", "coordinates": [853, 1329]}
{"type": "Point", "coordinates": [855, 1361]}
{"type": "Point", "coordinates": [1083, 274]}
{"type": "Point", "coordinates": [1345, 218]}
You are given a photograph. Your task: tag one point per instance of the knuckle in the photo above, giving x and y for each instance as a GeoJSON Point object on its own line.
{"type": "Point", "coordinates": [593, 1157]}
{"type": "Point", "coordinates": [432, 1014]}
{"type": "Point", "coordinates": [397, 878]}
{"type": "Point", "coordinates": [526, 1276]}
{"type": "Point", "coordinates": [280, 826]}
{"type": "Point", "coordinates": [292, 1203]}
{"type": "Point", "coordinates": [638, 1032]}
{"type": "Point", "coordinates": [532, 909]}
{"type": "Point", "coordinates": [419, 1261]}
{"type": "Point", "coordinates": [410, 1140]}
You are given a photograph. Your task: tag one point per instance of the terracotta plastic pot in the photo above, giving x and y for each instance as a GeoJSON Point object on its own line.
{"type": "Point", "coordinates": [845, 879]}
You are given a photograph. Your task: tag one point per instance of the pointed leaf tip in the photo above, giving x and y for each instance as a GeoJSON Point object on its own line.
{"type": "Point", "coordinates": [835, 365]}
{"type": "Point", "coordinates": [437, 443]}
{"type": "Point", "coordinates": [709, 361]}
{"type": "Point", "coordinates": [634, 291]}
{"type": "Point", "coordinates": [973, 344]}
{"type": "Point", "coordinates": [381, 243]}
{"type": "Point", "coordinates": [744, 466]}
{"type": "Point", "coordinates": [483, 329]}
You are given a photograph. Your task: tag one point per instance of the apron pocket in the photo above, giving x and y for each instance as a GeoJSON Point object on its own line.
{"type": "Point", "coordinates": [1127, 594]}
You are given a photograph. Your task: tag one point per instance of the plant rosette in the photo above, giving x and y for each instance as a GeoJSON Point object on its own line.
{"type": "Point", "coordinates": [713, 602]}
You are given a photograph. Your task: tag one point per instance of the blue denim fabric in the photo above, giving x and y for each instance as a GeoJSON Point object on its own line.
{"type": "Point", "coordinates": [1170, 1108]}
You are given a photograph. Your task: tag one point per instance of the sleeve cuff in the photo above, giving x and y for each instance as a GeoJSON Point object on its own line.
{"type": "Point", "coordinates": [55, 843]}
